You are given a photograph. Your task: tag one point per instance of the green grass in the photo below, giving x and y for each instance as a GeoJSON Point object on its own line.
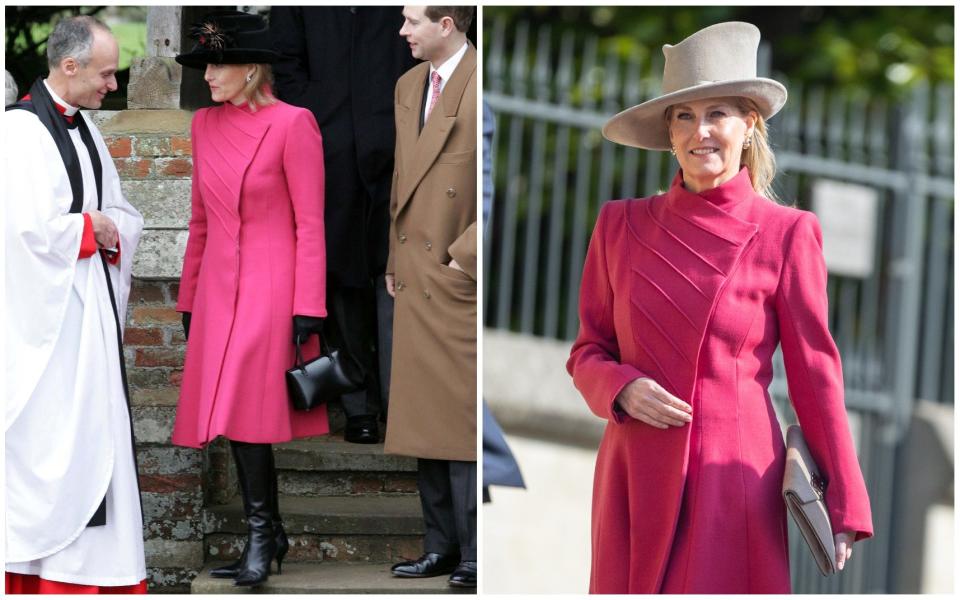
{"type": "Point", "coordinates": [132, 39]}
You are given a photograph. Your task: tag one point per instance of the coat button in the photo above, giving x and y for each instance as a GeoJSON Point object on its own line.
{"type": "Point", "coordinates": [428, 246]}
{"type": "Point", "coordinates": [451, 193]}
{"type": "Point", "coordinates": [403, 238]}
{"type": "Point", "coordinates": [426, 294]}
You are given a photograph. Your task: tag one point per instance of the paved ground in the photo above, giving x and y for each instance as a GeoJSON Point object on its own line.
{"type": "Point", "coordinates": [538, 540]}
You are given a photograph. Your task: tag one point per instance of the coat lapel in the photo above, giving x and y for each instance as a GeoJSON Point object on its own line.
{"type": "Point", "coordinates": [232, 137]}
{"type": "Point", "coordinates": [425, 147]}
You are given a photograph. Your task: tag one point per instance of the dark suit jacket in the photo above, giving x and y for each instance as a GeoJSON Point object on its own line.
{"type": "Point", "coordinates": [343, 63]}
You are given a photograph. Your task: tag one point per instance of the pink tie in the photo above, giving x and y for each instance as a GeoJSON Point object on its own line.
{"type": "Point", "coordinates": [435, 79]}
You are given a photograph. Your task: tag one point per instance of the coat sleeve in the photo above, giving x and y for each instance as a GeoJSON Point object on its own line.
{"type": "Point", "coordinates": [595, 357]}
{"type": "Point", "coordinates": [291, 72]}
{"type": "Point", "coordinates": [390, 269]}
{"type": "Point", "coordinates": [41, 243]}
{"type": "Point", "coordinates": [815, 377]}
{"type": "Point", "coordinates": [37, 220]}
{"type": "Point", "coordinates": [197, 239]}
{"type": "Point", "coordinates": [303, 166]}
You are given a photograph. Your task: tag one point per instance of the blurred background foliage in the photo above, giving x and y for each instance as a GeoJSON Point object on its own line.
{"type": "Point", "coordinates": [877, 50]}
{"type": "Point", "coordinates": [26, 29]}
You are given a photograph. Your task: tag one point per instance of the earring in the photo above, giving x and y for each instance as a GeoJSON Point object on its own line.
{"type": "Point", "coordinates": [747, 142]}
{"type": "Point", "coordinates": [673, 151]}
{"type": "Point", "coordinates": [249, 77]}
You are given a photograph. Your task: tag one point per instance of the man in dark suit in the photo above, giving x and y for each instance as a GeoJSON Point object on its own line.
{"type": "Point", "coordinates": [342, 63]}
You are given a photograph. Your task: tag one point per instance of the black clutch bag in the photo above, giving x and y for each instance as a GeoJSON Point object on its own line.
{"type": "Point", "coordinates": [310, 384]}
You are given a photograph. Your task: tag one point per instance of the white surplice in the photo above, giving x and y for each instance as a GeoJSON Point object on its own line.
{"type": "Point", "coordinates": [67, 429]}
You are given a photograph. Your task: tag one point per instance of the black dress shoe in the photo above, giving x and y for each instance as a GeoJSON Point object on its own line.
{"type": "Point", "coordinates": [430, 564]}
{"type": "Point", "coordinates": [362, 430]}
{"type": "Point", "coordinates": [465, 575]}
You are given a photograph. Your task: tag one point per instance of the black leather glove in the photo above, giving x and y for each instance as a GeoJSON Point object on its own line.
{"type": "Point", "coordinates": [304, 327]}
{"type": "Point", "coordinates": [186, 324]}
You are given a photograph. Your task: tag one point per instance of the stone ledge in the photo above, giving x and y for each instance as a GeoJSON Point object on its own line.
{"type": "Point", "coordinates": [138, 121]}
{"type": "Point", "coordinates": [527, 386]}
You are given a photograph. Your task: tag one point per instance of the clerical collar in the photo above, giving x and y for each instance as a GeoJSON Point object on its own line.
{"type": "Point", "coordinates": [449, 66]}
{"type": "Point", "coordinates": [62, 104]}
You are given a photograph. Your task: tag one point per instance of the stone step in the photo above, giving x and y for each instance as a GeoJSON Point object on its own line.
{"type": "Point", "coordinates": [326, 578]}
{"type": "Point", "coordinates": [346, 483]}
{"type": "Point", "coordinates": [334, 528]}
{"type": "Point", "coordinates": [321, 466]}
{"type": "Point", "coordinates": [329, 466]}
{"type": "Point", "coordinates": [329, 514]}
{"type": "Point", "coordinates": [332, 453]}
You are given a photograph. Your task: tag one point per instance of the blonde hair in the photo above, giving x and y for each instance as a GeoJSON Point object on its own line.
{"type": "Point", "coordinates": [259, 90]}
{"type": "Point", "coordinates": [758, 158]}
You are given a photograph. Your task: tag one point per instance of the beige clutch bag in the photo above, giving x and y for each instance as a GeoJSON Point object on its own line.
{"type": "Point", "coordinates": [803, 491]}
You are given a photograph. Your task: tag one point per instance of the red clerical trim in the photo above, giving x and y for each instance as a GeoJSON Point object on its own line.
{"type": "Point", "coordinates": [88, 244]}
{"type": "Point", "coordinates": [32, 584]}
{"type": "Point", "coordinates": [61, 109]}
{"type": "Point", "coordinates": [114, 257]}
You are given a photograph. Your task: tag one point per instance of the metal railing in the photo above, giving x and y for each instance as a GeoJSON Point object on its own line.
{"type": "Point", "coordinates": [551, 93]}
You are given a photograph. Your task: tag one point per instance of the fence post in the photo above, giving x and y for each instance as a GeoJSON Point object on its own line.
{"type": "Point", "coordinates": [903, 314]}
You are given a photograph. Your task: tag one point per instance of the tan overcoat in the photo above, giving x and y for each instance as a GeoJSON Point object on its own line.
{"type": "Point", "coordinates": [433, 208]}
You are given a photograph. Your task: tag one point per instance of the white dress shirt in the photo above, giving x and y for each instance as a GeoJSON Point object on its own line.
{"type": "Point", "coordinates": [446, 71]}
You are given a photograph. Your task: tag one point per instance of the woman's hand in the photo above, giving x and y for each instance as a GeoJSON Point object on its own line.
{"type": "Point", "coordinates": [304, 327]}
{"type": "Point", "coordinates": [844, 543]}
{"type": "Point", "coordinates": [644, 400]}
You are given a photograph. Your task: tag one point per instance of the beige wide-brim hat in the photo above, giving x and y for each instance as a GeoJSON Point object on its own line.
{"type": "Point", "coordinates": [718, 61]}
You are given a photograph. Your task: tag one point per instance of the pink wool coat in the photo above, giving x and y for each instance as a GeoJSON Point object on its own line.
{"type": "Point", "coordinates": [694, 292]}
{"type": "Point", "coordinates": [255, 258]}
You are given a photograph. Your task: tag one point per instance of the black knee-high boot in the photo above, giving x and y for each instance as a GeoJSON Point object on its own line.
{"type": "Point", "coordinates": [283, 544]}
{"type": "Point", "coordinates": [254, 470]}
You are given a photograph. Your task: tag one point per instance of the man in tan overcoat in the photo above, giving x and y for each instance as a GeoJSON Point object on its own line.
{"type": "Point", "coordinates": [432, 274]}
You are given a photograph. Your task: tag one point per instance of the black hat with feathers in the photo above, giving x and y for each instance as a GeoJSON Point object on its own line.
{"type": "Point", "coordinates": [229, 37]}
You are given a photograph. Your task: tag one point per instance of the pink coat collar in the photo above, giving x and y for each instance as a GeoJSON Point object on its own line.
{"type": "Point", "coordinates": [227, 139]}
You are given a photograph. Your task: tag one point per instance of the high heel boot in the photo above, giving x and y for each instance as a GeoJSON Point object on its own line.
{"type": "Point", "coordinates": [254, 462]}
{"type": "Point", "coordinates": [283, 544]}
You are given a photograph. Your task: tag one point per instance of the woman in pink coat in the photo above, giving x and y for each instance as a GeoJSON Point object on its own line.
{"type": "Point", "coordinates": [253, 274]}
{"type": "Point", "coordinates": [685, 296]}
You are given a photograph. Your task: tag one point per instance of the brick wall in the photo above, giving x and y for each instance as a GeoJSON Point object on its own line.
{"type": "Point", "coordinates": [170, 477]}
{"type": "Point", "coordinates": [152, 152]}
